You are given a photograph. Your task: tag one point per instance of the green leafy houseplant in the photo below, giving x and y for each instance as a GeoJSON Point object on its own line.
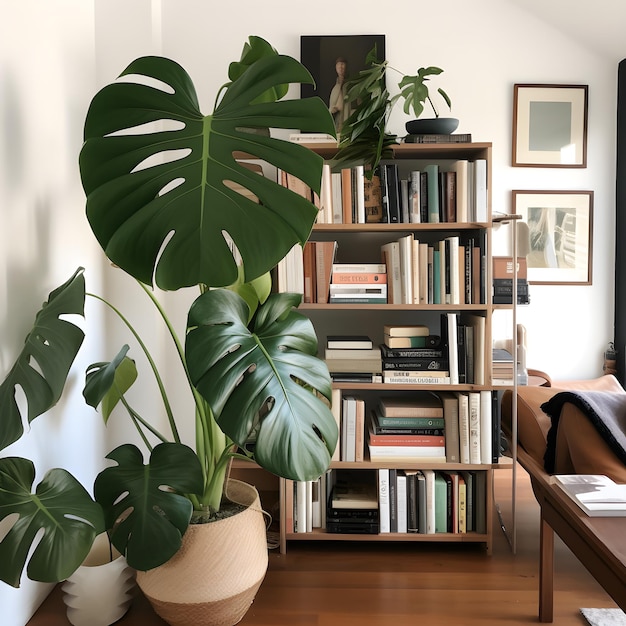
{"type": "Point", "coordinates": [364, 136]}
{"type": "Point", "coordinates": [248, 355]}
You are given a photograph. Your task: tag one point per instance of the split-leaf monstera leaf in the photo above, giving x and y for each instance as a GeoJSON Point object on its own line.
{"type": "Point", "coordinates": [172, 205]}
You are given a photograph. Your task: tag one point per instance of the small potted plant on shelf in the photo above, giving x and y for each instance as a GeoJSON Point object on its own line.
{"type": "Point", "coordinates": [172, 206]}
{"type": "Point", "coordinates": [364, 136]}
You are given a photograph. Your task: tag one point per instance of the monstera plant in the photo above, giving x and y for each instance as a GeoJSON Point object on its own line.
{"type": "Point", "coordinates": [364, 135]}
{"type": "Point", "coordinates": [173, 206]}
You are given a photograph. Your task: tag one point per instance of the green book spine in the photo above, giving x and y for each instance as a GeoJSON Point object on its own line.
{"type": "Point", "coordinates": [441, 504]}
{"type": "Point", "coordinates": [436, 272]}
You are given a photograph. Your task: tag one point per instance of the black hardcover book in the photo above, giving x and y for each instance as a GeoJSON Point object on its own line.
{"type": "Point", "coordinates": [423, 197]}
{"type": "Point", "coordinates": [414, 353]}
{"type": "Point", "coordinates": [412, 363]}
{"type": "Point", "coordinates": [384, 192]}
{"type": "Point", "coordinates": [462, 354]}
{"type": "Point", "coordinates": [439, 138]}
{"type": "Point", "coordinates": [393, 192]}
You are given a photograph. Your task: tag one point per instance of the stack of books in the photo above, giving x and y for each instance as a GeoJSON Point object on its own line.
{"type": "Point", "coordinates": [407, 429]}
{"type": "Point", "coordinates": [502, 370]}
{"type": "Point", "coordinates": [352, 358]}
{"type": "Point", "coordinates": [503, 280]}
{"type": "Point", "coordinates": [361, 283]}
{"type": "Point", "coordinates": [412, 355]}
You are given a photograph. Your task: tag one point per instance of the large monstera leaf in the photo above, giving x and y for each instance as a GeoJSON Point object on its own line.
{"type": "Point", "coordinates": [60, 507]}
{"type": "Point", "coordinates": [45, 361]}
{"type": "Point", "coordinates": [166, 222]}
{"type": "Point", "coordinates": [265, 378]}
{"type": "Point", "coordinates": [144, 505]}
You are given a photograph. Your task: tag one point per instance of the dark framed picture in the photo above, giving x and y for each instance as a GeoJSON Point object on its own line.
{"type": "Point", "coordinates": [560, 226]}
{"type": "Point", "coordinates": [550, 125]}
{"type": "Point", "coordinates": [333, 59]}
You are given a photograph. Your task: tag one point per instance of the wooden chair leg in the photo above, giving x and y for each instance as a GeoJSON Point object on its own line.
{"type": "Point", "coordinates": [546, 573]}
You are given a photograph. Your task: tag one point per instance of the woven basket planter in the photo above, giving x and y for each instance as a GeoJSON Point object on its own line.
{"type": "Point", "coordinates": [213, 579]}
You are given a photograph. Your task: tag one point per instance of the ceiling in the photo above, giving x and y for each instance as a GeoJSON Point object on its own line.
{"type": "Point", "coordinates": [600, 24]}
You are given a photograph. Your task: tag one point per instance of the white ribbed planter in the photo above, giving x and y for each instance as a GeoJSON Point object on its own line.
{"type": "Point", "coordinates": [213, 579]}
{"type": "Point", "coordinates": [101, 590]}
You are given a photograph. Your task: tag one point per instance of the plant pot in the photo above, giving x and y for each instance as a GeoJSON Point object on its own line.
{"type": "Point", "coordinates": [213, 578]}
{"type": "Point", "coordinates": [101, 590]}
{"type": "Point", "coordinates": [432, 126]}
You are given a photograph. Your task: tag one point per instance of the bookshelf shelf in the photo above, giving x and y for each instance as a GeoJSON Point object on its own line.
{"type": "Point", "coordinates": [363, 242]}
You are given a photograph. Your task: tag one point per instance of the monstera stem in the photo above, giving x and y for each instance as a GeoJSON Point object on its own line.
{"type": "Point", "coordinates": [199, 402]}
{"type": "Point", "coordinates": [166, 402]}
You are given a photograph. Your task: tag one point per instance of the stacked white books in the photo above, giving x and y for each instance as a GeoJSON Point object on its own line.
{"type": "Point", "coordinates": [360, 283]}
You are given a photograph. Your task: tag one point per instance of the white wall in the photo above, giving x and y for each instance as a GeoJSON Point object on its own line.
{"type": "Point", "coordinates": [46, 81]}
{"type": "Point", "coordinates": [55, 54]}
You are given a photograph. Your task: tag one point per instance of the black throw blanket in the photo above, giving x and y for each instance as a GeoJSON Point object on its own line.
{"type": "Point", "coordinates": [606, 411]}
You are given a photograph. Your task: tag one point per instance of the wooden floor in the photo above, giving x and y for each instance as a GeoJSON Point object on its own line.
{"type": "Point", "coordinates": [407, 584]}
{"type": "Point", "coordinates": [402, 584]}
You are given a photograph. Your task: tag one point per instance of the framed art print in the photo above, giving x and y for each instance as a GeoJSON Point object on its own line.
{"type": "Point", "coordinates": [332, 60]}
{"type": "Point", "coordinates": [560, 231]}
{"type": "Point", "coordinates": [550, 125]}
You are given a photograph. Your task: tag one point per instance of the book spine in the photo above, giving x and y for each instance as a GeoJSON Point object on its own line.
{"type": "Point", "coordinates": [412, 422]}
{"type": "Point", "coordinates": [383, 500]}
{"type": "Point", "coordinates": [406, 440]}
{"type": "Point", "coordinates": [416, 380]}
{"type": "Point", "coordinates": [415, 364]}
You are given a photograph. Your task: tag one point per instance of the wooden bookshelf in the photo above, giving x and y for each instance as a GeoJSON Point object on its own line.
{"type": "Point", "coordinates": [360, 242]}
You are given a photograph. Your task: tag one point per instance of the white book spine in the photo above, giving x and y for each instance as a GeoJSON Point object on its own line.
{"type": "Point", "coordinates": [359, 185]}
{"type": "Point", "coordinates": [383, 501]}
{"type": "Point", "coordinates": [474, 427]}
{"type": "Point", "coordinates": [402, 508]}
{"type": "Point", "coordinates": [486, 429]}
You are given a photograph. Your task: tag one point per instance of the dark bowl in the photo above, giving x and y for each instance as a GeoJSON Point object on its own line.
{"type": "Point", "coordinates": [432, 126]}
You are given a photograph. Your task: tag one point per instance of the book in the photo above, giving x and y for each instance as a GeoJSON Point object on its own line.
{"type": "Point", "coordinates": [406, 271]}
{"type": "Point", "coordinates": [421, 502]}
{"type": "Point", "coordinates": [393, 500]}
{"type": "Point", "coordinates": [359, 268]}
{"type": "Point", "coordinates": [462, 503]}
{"type": "Point", "coordinates": [324, 258]}
{"type": "Point", "coordinates": [359, 298]}
{"type": "Point", "coordinates": [352, 353]}
{"type": "Point", "coordinates": [418, 353]}
{"type": "Point", "coordinates": [414, 330]}
{"type": "Point", "coordinates": [359, 193]}
{"type": "Point", "coordinates": [405, 440]}
{"type": "Point", "coordinates": [308, 268]}
{"type": "Point", "coordinates": [429, 492]}
{"type": "Point", "coordinates": [404, 373]}
{"type": "Point", "coordinates": [428, 341]}
{"type": "Point", "coordinates": [416, 364]}
{"type": "Point", "coordinates": [312, 138]}
{"type": "Point", "coordinates": [463, 399]}
{"type": "Point", "coordinates": [480, 190]}
{"type": "Point", "coordinates": [335, 407]}
{"type": "Point", "coordinates": [337, 201]}
{"type": "Point", "coordinates": [486, 427]}
{"type": "Point", "coordinates": [383, 500]}
{"type": "Point", "coordinates": [347, 289]}
{"type": "Point", "coordinates": [439, 138]}
{"type": "Point", "coordinates": [349, 341]}
{"type": "Point", "coordinates": [358, 278]}
{"type": "Point", "coordinates": [451, 417]}
{"type": "Point", "coordinates": [432, 177]}
{"type": "Point", "coordinates": [392, 454]}
{"type": "Point", "coordinates": [406, 423]}
{"type": "Point", "coordinates": [348, 429]}
{"type": "Point", "coordinates": [355, 365]}
{"type": "Point", "coordinates": [346, 195]}
{"type": "Point", "coordinates": [595, 494]}
{"type": "Point", "coordinates": [416, 380]}
{"type": "Point", "coordinates": [402, 502]}
{"type": "Point", "coordinates": [412, 501]}
{"type": "Point", "coordinates": [359, 431]}
{"type": "Point", "coordinates": [474, 427]}
{"type": "Point", "coordinates": [391, 257]}
{"type": "Point", "coordinates": [418, 405]}
{"type": "Point", "coordinates": [441, 504]}
{"type": "Point", "coordinates": [372, 197]}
